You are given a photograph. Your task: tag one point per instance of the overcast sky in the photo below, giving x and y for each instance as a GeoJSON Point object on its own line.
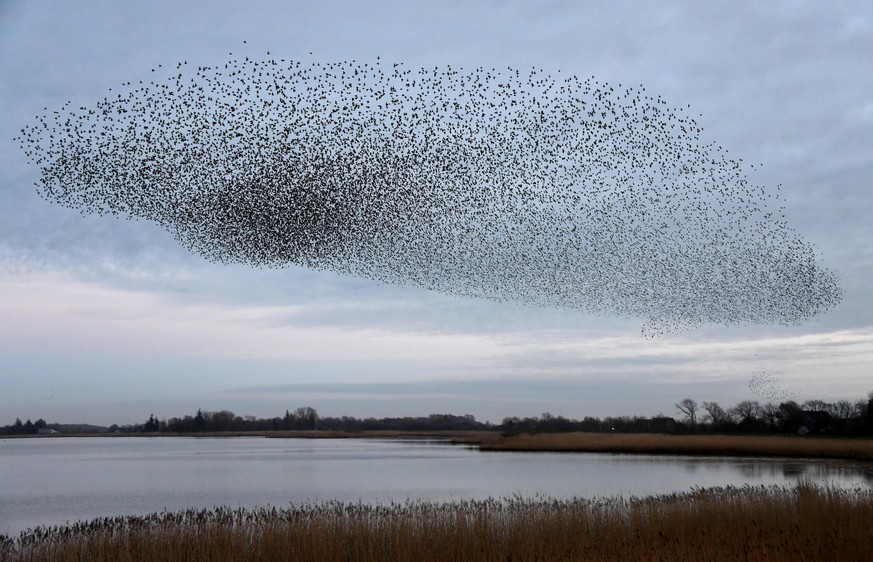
{"type": "Point", "coordinates": [107, 321]}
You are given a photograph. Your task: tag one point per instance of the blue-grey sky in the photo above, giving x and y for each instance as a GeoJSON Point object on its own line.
{"type": "Point", "coordinates": [107, 321]}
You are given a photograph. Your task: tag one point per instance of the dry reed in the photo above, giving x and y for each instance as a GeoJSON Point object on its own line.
{"type": "Point", "coordinates": [727, 445]}
{"type": "Point", "coordinates": [803, 522]}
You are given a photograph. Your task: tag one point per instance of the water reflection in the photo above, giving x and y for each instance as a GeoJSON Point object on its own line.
{"type": "Point", "coordinates": [756, 469]}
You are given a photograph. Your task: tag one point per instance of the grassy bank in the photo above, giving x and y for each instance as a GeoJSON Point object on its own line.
{"type": "Point", "coordinates": [725, 445]}
{"type": "Point", "coordinates": [642, 443]}
{"type": "Point", "coordinates": [804, 522]}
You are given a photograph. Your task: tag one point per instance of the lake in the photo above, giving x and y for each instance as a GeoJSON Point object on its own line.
{"type": "Point", "coordinates": [53, 480]}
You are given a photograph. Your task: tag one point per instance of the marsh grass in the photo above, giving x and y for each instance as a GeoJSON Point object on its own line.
{"type": "Point", "coordinates": [724, 445]}
{"type": "Point", "coordinates": [802, 522]}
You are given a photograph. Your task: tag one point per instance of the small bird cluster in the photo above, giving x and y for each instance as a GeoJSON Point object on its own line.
{"type": "Point", "coordinates": [509, 185]}
{"type": "Point", "coordinates": [767, 386]}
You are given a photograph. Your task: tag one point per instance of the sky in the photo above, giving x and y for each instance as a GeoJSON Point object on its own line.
{"type": "Point", "coordinates": [107, 321]}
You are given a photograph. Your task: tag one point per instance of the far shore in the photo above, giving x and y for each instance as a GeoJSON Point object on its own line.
{"type": "Point", "coordinates": [276, 434]}
{"type": "Point", "coordinates": [661, 444]}
{"type": "Point", "coordinates": [577, 442]}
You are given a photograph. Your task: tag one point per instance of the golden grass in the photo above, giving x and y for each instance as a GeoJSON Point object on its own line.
{"type": "Point", "coordinates": [803, 522]}
{"type": "Point", "coordinates": [727, 445]}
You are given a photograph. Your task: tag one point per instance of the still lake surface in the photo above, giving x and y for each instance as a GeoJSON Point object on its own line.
{"type": "Point", "coordinates": [51, 481]}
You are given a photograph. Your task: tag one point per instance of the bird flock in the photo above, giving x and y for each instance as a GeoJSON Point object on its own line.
{"type": "Point", "coordinates": [765, 385]}
{"type": "Point", "coordinates": [504, 184]}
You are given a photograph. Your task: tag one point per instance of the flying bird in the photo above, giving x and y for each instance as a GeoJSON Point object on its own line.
{"type": "Point", "coordinates": [510, 185]}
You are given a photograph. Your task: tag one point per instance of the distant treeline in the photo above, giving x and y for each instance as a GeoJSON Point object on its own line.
{"type": "Point", "coordinates": [303, 419]}
{"type": "Point", "coordinates": [748, 416]}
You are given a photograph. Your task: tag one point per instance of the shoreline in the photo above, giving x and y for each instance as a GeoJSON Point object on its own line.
{"type": "Point", "coordinates": [777, 446]}
{"type": "Point", "coordinates": [275, 434]}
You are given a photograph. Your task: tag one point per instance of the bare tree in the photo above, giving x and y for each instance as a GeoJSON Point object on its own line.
{"type": "Point", "coordinates": [790, 415]}
{"type": "Point", "coordinates": [770, 413]}
{"type": "Point", "coordinates": [815, 405]}
{"type": "Point", "coordinates": [689, 408]}
{"type": "Point", "coordinates": [307, 417]}
{"type": "Point", "coordinates": [842, 409]}
{"type": "Point", "coordinates": [747, 411]}
{"type": "Point", "coordinates": [715, 414]}
{"type": "Point", "coordinates": [223, 420]}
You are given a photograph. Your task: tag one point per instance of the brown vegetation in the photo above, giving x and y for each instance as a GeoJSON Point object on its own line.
{"type": "Point", "coordinates": [641, 443]}
{"type": "Point", "coordinates": [727, 445]}
{"type": "Point", "coordinates": [804, 522]}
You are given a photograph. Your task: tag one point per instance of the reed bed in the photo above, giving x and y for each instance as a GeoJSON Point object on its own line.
{"type": "Point", "coordinates": [797, 523]}
{"type": "Point", "coordinates": [658, 444]}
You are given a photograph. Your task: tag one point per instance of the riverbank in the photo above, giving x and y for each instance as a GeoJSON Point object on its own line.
{"type": "Point", "coordinates": [578, 442]}
{"type": "Point", "coordinates": [460, 436]}
{"type": "Point", "coordinates": [658, 444]}
{"type": "Point", "coordinates": [801, 522]}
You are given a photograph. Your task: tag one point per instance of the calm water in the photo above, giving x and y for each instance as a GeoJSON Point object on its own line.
{"type": "Point", "coordinates": [50, 481]}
